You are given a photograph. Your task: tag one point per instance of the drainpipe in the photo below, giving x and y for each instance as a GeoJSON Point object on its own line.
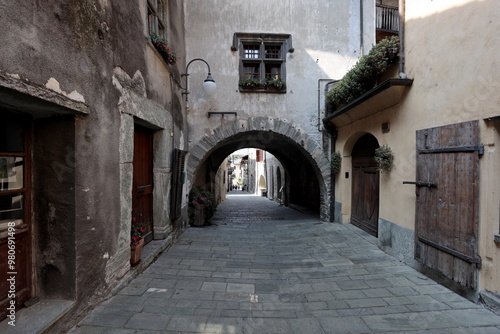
{"type": "Point", "coordinates": [332, 177]}
{"type": "Point", "coordinates": [402, 38]}
{"type": "Point", "coordinates": [361, 42]}
{"type": "Point", "coordinates": [329, 82]}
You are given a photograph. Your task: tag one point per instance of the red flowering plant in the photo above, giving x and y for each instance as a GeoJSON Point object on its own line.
{"type": "Point", "coordinates": [164, 49]}
{"type": "Point", "coordinates": [137, 231]}
{"type": "Point", "coordinates": [204, 198]}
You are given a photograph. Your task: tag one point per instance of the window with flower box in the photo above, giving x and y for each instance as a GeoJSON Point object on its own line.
{"type": "Point", "coordinates": [157, 18]}
{"type": "Point", "coordinates": [262, 61]}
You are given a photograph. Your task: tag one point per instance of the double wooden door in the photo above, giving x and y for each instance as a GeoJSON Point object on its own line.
{"type": "Point", "coordinates": [447, 201]}
{"type": "Point", "coordinates": [365, 185]}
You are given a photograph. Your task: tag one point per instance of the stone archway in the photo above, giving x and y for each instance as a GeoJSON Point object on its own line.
{"type": "Point", "coordinates": [264, 133]}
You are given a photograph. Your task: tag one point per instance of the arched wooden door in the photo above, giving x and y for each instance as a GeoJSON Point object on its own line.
{"type": "Point", "coordinates": [365, 185]}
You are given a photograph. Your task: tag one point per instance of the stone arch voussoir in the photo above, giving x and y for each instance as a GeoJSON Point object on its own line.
{"type": "Point", "coordinates": [263, 125]}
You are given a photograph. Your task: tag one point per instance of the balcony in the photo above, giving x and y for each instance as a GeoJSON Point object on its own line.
{"type": "Point", "coordinates": [387, 21]}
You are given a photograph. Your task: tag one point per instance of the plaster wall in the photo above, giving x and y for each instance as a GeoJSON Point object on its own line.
{"type": "Point", "coordinates": [326, 39]}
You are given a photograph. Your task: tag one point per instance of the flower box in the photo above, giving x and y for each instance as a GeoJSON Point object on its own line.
{"type": "Point", "coordinates": [135, 253]}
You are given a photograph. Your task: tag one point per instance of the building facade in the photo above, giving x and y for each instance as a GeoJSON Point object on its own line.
{"type": "Point", "coordinates": [93, 141]}
{"type": "Point", "coordinates": [437, 209]}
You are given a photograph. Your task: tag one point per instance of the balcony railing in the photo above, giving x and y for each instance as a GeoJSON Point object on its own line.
{"type": "Point", "coordinates": [387, 18]}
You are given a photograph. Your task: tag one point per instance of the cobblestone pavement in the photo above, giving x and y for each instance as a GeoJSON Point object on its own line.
{"type": "Point", "coordinates": [265, 268]}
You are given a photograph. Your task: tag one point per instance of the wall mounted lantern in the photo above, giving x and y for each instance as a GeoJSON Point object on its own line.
{"type": "Point", "coordinates": [209, 85]}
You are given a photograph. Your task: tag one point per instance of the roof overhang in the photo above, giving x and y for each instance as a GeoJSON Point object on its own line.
{"type": "Point", "coordinates": [381, 97]}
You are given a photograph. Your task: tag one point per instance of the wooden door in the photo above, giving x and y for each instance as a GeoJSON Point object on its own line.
{"type": "Point", "coordinates": [365, 185]}
{"type": "Point", "coordinates": [447, 201]}
{"type": "Point", "coordinates": [15, 213]}
{"type": "Point", "coordinates": [142, 185]}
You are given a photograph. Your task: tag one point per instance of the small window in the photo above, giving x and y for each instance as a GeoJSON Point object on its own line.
{"type": "Point", "coordinates": [251, 51]}
{"type": "Point", "coordinates": [157, 16]}
{"type": "Point", "coordinates": [273, 51]}
{"type": "Point", "coordinates": [262, 61]}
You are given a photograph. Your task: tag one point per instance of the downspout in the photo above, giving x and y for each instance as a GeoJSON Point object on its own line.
{"type": "Point", "coordinates": [332, 177]}
{"type": "Point", "coordinates": [325, 91]}
{"type": "Point", "coordinates": [361, 42]}
{"type": "Point", "coordinates": [333, 137]}
{"type": "Point", "coordinates": [402, 39]}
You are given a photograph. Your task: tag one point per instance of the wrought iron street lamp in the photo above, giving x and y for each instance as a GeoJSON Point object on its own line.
{"type": "Point", "coordinates": [209, 85]}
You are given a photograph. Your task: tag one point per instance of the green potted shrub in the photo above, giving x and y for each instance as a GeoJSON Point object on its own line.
{"type": "Point", "coordinates": [336, 162]}
{"type": "Point", "coordinates": [384, 158]}
{"type": "Point", "coordinates": [363, 76]}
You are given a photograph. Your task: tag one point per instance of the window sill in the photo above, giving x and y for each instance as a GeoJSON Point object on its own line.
{"type": "Point", "coordinates": [262, 90]}
{"type": "Point", "coordinates": [157, 53]}
{"type": "Point", "coordinates": [496, 238]}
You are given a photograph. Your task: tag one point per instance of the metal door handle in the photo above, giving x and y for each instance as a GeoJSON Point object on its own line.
{"type": "Point", "coordinates": [421, 184]}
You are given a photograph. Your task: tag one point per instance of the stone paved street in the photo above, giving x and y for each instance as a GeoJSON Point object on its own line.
{"type": "Point", "coordinates": [270, 269]}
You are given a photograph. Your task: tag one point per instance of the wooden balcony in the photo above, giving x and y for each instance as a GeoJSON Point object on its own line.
{"type": "Point", "coordinates": [387, 21]}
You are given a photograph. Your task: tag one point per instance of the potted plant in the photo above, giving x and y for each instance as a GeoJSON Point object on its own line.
{"type": "Point", "coordinates": [336, 162]}
{"type": "Point", "coordinates": [363, 76]}
{"type": "Point", "coordinates": [250, 83]}
{"type": "Point", "coordinates": [164, 49]}
{"type": "Point", "coordinates": [203, 207]}
{"type": "Point", "coordinates": [274, 84]}
{"type": "Point", "coordinates": [136, 241]}
{"type": "Point", "coordinates": [384, 158]}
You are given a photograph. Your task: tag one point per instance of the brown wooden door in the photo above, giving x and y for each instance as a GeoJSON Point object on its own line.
{"type": "Point", "coordinates": [447, 201]}
{"type": "Point", "coordinates": [365, 185]}
{"type": "Point", "coordinates": [142, 185]}
{"type": "Point", "coordinates": [15, 213]}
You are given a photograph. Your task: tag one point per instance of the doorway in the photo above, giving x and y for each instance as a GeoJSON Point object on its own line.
{"type": "Point", "coordinates": [15, 212]}
{"type": "Point", "coordinates": [365, 185]}
{"type": "Point", "coordinates": [142, 184]}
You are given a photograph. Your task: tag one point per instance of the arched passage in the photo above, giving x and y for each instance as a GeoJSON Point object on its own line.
{"type": "Point", "coordinates": [306, 169]}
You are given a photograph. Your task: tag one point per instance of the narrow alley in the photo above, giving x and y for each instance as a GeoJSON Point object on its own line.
{"type": "Point", "coordinates": [265, 268]}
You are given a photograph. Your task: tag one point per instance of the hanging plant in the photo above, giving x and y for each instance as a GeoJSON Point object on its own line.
{"type": "Point", "coordinates": [384, 158]}
{"type": "Point", "coordinates": [336, 162]}
{"type": "Point", "coordinates": [164, 49]}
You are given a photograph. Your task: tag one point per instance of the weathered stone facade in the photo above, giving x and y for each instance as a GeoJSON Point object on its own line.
{"type": "Point", "coordinates": [83, 76]}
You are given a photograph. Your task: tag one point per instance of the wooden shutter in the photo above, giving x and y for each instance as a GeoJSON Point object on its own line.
{"type": "Point", "coordinates": [178, 178]}
{"type": "Point", "coordinates": [447, 190]}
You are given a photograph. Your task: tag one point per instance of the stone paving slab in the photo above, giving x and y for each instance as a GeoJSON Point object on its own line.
{"type": "Point", "coordinates": [264, 268]}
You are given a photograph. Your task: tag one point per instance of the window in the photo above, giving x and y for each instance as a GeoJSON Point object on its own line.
{"type": "Point", "coordinates": [262, 61]}
{"type": "Point", "coordinates": [157, 20]}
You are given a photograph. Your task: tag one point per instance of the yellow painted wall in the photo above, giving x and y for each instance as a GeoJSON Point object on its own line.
{"type": "Point", "coordinates": [451, 52]}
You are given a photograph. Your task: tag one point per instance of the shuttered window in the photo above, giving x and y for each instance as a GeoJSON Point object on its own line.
{"type": "Point", "coordinates": [178, 179]}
